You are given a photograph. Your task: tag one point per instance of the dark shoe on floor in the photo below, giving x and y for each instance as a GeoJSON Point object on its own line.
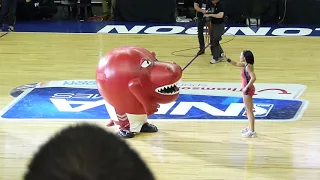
{"type": "Point", "coordinates": [125, 133]}
{"type": "Point", "coordinates": [149, 128]}
{"type": "Point", "coordinates": [200, 52]}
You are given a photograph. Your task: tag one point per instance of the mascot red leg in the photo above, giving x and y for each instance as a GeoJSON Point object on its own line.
{"type": "Point", "coordinates": [135, 82]}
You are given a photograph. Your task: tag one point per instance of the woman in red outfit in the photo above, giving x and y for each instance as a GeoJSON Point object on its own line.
{"type": "Point", "coordinates": [248, 78]}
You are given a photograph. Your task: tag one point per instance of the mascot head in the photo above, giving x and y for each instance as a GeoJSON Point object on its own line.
{"type": "Point", "coordinates": [158, 79]}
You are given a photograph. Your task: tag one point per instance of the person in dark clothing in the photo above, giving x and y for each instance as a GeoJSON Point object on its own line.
{"type": "Point", "coordinates": [201, 8]}
{"type": "Point", "coordinates": [8, 6]}
{"type": "Point", "coordinates": [217, 15]}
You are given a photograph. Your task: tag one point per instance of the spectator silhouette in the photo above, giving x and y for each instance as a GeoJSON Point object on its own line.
{"type": "Point", "coordinates": [87, 152]}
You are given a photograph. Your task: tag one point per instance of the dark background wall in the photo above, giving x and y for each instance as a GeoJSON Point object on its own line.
{"type": "Point", "coordinates": [271, 11]}
{"type": "Point", "coordinates": [146, 10]}
{"type": "Point", "coordinates": [164, 11]}
{"type": "Point", "coordinates": [301, 11]}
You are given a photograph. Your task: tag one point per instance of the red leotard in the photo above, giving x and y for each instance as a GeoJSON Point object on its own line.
{"type": "Point", "coordinates": [245, 80]}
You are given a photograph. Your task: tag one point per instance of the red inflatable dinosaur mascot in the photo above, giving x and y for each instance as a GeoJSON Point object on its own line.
{"type": "Point", "coordinates": [134, 82]}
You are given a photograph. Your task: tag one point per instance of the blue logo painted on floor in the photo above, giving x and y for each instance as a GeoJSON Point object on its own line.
{"type": "Point", "coordinates": [87, 104]}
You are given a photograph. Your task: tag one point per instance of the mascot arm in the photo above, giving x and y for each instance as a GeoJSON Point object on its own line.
{"type": "Point", "coordinates": [137, 89]}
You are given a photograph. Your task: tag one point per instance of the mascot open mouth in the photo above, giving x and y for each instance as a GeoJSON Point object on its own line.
{"type": "Point", "coordinates": [170, 89]}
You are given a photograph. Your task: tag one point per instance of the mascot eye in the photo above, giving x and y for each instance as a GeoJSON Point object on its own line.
{"type": "Point", "coordinates": [146, 63]}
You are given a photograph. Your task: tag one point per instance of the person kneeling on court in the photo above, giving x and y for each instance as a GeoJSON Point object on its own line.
{"type": "Point", "coordinates": [87, 152]}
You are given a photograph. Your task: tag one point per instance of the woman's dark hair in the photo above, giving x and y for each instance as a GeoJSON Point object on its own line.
{"type": "Point", "coordinates": [249, 56]}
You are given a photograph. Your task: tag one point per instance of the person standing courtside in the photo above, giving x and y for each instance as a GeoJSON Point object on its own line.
{"type": "Point", "coordinates": [216, 14]}
{"type": "Point", "coordinates": [201, 9]}
{"type": "Point", "coordinates": [108, 7]}
{"type": "Point", "coordinates": [8, 6]}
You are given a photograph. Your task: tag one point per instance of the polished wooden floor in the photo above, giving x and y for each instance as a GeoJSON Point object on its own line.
{"type": "Point", "coordinates": [180, 151]}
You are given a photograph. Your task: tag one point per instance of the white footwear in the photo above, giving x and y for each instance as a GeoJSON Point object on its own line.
{"type": "Point", "coordinates": [11, 29]}
{"type": "Point", "coordinates": [249, 134]}
{"type": "Point", "coordinates": [213, 61]}
{"type": "Point", "coordinates": [220, 59]}
{"type": "Point", "coordinates": [223, 57]}
{"type": "Point", "coordinates": [245, 130]}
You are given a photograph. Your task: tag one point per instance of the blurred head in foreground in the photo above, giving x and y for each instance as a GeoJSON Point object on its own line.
{"type": "Point", "coordinates": [86, 152]}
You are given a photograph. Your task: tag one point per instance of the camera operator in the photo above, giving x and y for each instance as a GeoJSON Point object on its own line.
{"type": "Point", "coordinates": [216, 15]}
{"type": "Point", "coordinates": [201, 8]}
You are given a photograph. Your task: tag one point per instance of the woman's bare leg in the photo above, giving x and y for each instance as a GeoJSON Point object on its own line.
{"type": "Point", "coordinates": [249, 109]}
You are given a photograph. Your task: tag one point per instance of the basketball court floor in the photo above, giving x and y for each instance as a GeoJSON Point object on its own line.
{"type": "Point", "coordinates": [182, 149]}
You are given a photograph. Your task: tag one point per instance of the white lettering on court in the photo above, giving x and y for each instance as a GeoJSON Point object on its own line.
{"type": "Point", "coordinates": [259, 110]}
{"type": "Point", "coordinates": [164, 108]}
{"type": "Point", "coordinates": [194, 30]}
{"type": "Point", "coordinates": [248, 31]}
{"type": "Point", "coordinates": [283, 32]}
{"type": "Point", "coordinates": [121, 29]}
{"type": "Point", "coordinates": [75, 83]}
{"type": "Point", "coordinates": [184, 107]}
{"type": "Point", "coordinates": [111, 111]}
{"type": "Point", "coordinates": [173, 30]}
{"type": "Point", "coordinates": [65, 106]}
